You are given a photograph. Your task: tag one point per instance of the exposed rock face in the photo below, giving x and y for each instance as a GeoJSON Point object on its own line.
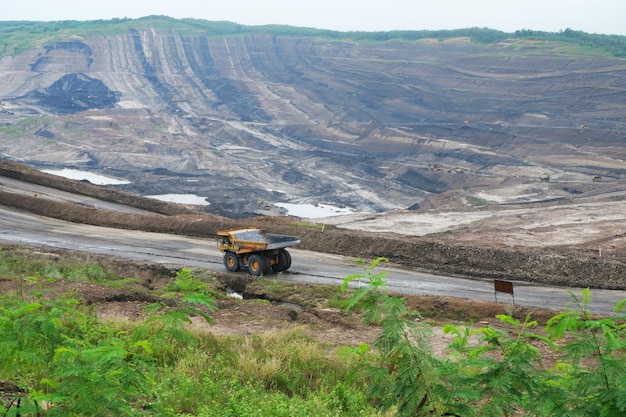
{"type": "Point", "coordinates": [252, 120]}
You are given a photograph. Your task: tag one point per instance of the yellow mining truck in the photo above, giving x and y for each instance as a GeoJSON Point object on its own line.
{"type": "Point", "coordinates": [257, 251]}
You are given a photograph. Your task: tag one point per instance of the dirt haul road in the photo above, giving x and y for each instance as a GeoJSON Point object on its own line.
{"type": "Point", "coordinates": [308, 267]}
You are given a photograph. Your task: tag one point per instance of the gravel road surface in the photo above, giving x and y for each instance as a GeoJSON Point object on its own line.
{"type": "Point", "coordinates": [308, 267]}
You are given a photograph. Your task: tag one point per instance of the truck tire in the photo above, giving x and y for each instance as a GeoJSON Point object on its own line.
{"type": "Point", "coordinates": [256, 264]}
{"type": "Point", "coordinates": [268, 264]}
{"type": "Point", "coordinates": [284, 261]}
{"type": "Point", "coordinates": [288, 256]}
{"type": "Point", "coordinates": [231, 262]}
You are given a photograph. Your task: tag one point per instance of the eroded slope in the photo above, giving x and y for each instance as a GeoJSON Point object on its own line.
{"type": "Point", "coordinates": [252, 120]}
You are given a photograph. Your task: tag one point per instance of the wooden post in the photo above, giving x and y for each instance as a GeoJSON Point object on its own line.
{"type": "Point", "coordinates": [503, 286]}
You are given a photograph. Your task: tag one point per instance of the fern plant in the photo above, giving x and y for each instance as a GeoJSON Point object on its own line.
{"type": "Point", "coordinates": [30, 333]}
{"type": "Point", "coordinates": [371, 294]}
{"type": "Point", "coordinates": [58, 352]}
{"type": "Point", "coordinates": [406, 377]}
{"type": "Point", "coordinates": [166, 328]}
{"type": "Point", "coordinates": [99, 380]}
{"type": "Point", "coordinates": [504, 368]}
{"type": "Point", "coordinates": [55, 352]}
{"type": "Point", "coordinates": [191, 294]}
{"type": "Point", "coordinates": [594, 362]}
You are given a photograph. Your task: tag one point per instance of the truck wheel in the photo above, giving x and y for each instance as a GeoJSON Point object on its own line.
{"type": "Point", "coordinates": [256, 264]}
{"type": "Point", "coordinates": [288, 256]}
{"type": "Point", "coordinates": [284, 261]}
{"type": "Point", "coordinates": [268, 264]}
{"type": "Point", "coordinates": [231, 262]}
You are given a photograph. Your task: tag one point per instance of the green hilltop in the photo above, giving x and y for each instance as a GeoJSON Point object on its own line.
{"type": "Point", "coordinates": [20, 36]}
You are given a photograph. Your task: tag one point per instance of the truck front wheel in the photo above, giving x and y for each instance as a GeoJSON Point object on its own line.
{"type": "Point", "coordinates": [256, 264]}
{"type": "Point", "coordinates": [231, 262]}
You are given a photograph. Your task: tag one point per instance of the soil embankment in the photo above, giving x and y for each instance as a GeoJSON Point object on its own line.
{"type": "Point", "coordinates": [556, 266]}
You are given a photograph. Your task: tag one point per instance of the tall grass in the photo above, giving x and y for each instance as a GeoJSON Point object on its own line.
{"type": "Point", "coordinates": [279, 373]}
{"type": "Point", "coordinates": [20, 264]}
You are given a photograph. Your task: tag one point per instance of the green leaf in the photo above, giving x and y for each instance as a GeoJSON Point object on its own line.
{"type": "Point", "coordinates": [619, 306]}
{"type": "Point", "coordinates": [28, 308]}
{"type": "Point", "coordinates": [356, 297]}
{"type": "Point", "coordinates": [347, 280]}
{"type": "Point", "coordinates": [202, 299]}
{"type": "Point", "coordinates": [508, 319]}
{"type": "Point", "coordinates": [376, 261]}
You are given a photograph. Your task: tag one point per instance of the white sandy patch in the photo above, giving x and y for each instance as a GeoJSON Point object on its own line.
{"type": "Point", "coordinates": [85, 175]}
{"type": "Point", "coordinates": [568, 224]}
{"type": "Point", "coordinates": [310, 211]}
{"type": "Point", "coordinates": [181, 199]}
{"type": "Point", "coordinates": [130, 104]}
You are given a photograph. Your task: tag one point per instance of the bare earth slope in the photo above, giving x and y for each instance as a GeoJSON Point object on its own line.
{"type": "Point", "coordinates": [253, 120]}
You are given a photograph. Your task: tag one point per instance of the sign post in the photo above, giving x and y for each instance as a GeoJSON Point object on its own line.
{"type": "Point", "coordinates": [503, 286]}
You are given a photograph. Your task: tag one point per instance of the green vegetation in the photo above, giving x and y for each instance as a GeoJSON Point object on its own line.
{"type": "Point", "coordinates": [26, 125]}
{"type": "Point", "coordinates": [302, 295]}
{"type": "Point", "coordinates": [19, 36]}
{"type": "Point", "coordinates": [62, 357]}
{"type": "Point", "coordinates": [476, 201]}
{"type": "Point", "coordinates": [309, 225]}
{"type": "Point", "coordinates": [57, 351]}
{"type": "Point", "coordinates": [492, 371]}
{"type": "Point", "coordinates": [25, 265]}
